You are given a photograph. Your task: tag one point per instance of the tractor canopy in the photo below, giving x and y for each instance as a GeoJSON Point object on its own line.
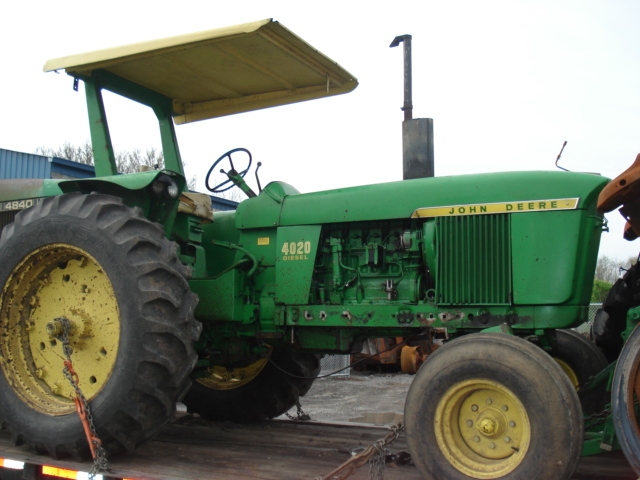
{"type": "Point", "coordinates": [219, 72]}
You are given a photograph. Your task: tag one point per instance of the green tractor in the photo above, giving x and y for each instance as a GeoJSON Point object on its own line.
{"type": "Point", "coordinates": [123, 294]}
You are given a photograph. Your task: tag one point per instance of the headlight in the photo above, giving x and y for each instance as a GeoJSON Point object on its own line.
{"type": "Point", "coordinates": [164, 184]}
{"type": "Point", "coordinates": [172, 190]}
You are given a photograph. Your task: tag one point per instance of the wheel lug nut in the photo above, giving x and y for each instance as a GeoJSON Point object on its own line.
{"type": "Point", "coordinates": [504, 408]}
{"type": "Point", "coordinates": [507, 439]}
{"type": "Point", "coordinates": [469, 423]}
{"type": "Point", "coordinates": [512, 424]}
{"type": "Point", "coordinates": [476, 439]}
{"type": "Point", "coordinates": [474, 408]}
{"type": "Point", "coordinates": [489, 401]}
{"type": "Point", "coordinates": [492, 445]}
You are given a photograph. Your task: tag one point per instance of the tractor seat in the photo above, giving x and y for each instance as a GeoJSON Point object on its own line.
{"type": "Point", "coordinates": [198, 204]}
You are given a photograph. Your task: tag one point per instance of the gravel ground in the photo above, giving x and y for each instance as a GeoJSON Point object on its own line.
{"type": "Point", "coordinates": [360, 397]}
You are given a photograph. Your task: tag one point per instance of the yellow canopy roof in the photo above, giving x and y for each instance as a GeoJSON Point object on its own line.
{"type": "Point", "coordinates": [221, 72]}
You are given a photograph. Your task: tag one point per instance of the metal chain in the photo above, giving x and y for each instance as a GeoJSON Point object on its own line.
{"type": "Point", "coordinates": [300, 414]}
{"type": "Point", "coordinates": [596, 418]}
{"type": "Point", "coordinates": [378, 462]}
{"type": "Point", "coordinates": [100, 462]}
{"type": "Point", "coordinates": [374, 454]}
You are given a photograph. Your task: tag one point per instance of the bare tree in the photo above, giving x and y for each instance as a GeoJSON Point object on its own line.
{"type": "Point", "coordinates": [127, 161]}
{"type": "Point", "coordinates": [609, 269]}
{"type": "Point", "coordinates": [133, 161]}
{"type": "Point", "coordinates": [81, 154]}
{"type": "Point", "coordinates": [235, 195]}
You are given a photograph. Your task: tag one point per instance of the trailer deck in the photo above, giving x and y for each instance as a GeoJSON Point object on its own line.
{"type": "Point", "coordinates": [276, 450]}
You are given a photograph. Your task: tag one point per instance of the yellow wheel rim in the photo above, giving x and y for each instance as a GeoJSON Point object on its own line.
{"type": "Point", "coordinates": [56, 281]}
{"type": "Point", "coordinates": [482, 428]}
{"type": "Point", "coordinates": [566, 368]}
{"type": "Point", "coordinates": [222, 378]}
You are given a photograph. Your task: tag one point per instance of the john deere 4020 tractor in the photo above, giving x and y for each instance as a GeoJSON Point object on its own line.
{"type": "Point", "coordinates": [123, 294]}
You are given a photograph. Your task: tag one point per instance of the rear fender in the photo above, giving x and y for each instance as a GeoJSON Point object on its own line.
{"type": "Point", "coordinates": [143, 189]}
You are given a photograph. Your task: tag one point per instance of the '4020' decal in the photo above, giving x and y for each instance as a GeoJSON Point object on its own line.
{"type": "Point", "coordinates": [295, 250]}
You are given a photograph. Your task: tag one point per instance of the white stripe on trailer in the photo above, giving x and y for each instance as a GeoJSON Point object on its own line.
{"type": "Point", "coordinates": [13, 464]}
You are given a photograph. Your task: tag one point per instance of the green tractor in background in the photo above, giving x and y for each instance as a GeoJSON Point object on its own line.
{"type": "Point", "coordinates": [143, 292]}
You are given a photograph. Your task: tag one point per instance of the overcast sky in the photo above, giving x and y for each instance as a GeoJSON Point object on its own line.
{"type": "Point", "coordinates": [506, 82]}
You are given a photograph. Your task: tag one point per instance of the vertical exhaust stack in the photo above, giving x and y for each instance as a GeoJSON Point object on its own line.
{"type": "Point", "coordinates": [417, 134]}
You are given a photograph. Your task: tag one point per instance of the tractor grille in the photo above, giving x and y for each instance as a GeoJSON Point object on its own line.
{"type": "Point", "coordinates": [474, 260]}
{"type": "Point", "coordinates": [7, 217]}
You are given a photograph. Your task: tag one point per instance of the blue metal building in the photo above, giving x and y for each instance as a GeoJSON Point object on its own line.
{"type": "Point", "coordinates": [29, 165]}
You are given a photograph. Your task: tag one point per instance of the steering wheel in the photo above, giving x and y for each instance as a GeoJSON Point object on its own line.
{"type": "Point", "coordinates": [221, 187]}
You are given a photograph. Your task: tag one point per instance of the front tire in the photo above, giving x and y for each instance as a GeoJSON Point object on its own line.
{"type": "Point", "coordinates": [260, 391]}
{"type": "Point", "coordinates": [490, 406]}
{"type": "Point", "coordinates": [114, 276]}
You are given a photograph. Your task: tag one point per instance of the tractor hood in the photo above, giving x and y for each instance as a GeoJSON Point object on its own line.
{"type": "Point", "coordinates": [220, 72]}
{"type": "Point", "coordinates": [508, 192]}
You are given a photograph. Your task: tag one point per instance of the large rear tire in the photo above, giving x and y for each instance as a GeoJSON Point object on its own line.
{"type": "Point", "coordinates": [258, 392]}
{"type": "Point", "coordinates": [114, 276]}
{"type": "Point", "coordinates": [490, 406]}
{"type": "Point", "coordinates": [625, 392]}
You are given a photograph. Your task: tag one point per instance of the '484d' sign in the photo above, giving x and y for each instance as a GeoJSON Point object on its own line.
{"type": "Point", "coordinates": [19, 204]}
{"type": "Point", "coordinates": [553, 204]}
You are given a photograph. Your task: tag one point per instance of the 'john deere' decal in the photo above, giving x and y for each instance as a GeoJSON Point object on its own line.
{"type": "Point", "coordinates": [503, 207]}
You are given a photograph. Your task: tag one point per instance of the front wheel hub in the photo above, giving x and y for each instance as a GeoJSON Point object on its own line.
{"type": "Point", "coordinates": [482, 428]}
